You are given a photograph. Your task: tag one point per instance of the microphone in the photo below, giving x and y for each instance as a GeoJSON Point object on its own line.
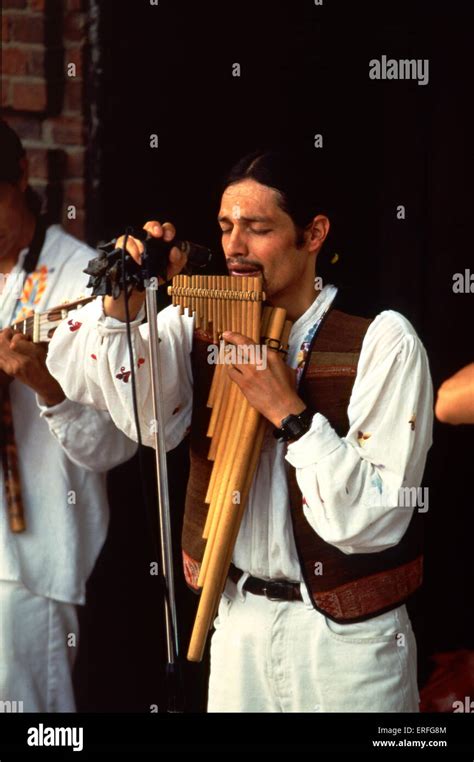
{"type": "Point", "coordinates": [107, 277]}
{"type": "Point", "coordinates": [156, 254]}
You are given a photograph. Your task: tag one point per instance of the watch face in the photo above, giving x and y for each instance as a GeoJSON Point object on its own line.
{"type": "Point", "coordinates": [294, 427]}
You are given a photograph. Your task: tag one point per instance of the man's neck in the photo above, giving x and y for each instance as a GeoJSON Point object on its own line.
{"type": "Point", "coordinates": [297, 302]}
{"type": "Point", "coordinates": [24, 241]}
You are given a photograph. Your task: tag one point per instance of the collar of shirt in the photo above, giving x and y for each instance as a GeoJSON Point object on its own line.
{"type": "Point", "coordinates": [302, 327]}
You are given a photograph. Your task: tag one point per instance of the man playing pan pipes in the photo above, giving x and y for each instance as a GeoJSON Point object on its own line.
{"type": "Point", "coordinates": [313, 616]}
{"type": "Point", "coordinates": [53, 505]}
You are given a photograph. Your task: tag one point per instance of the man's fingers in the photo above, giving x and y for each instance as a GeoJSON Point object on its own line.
{"type": "Point", "coordinates": [234, 372]}
{"type": "Point", "coordinates": [22, 346]}
{"type": "Point", "coordinates": [7, 334]}
{"type": "Point", "coordinates": [169, 231]}
{"type": "Point", "coordinates": [177, 258]}
{"type": "Point", "coordinates": [154, 228]}
{"type": "Point", "coordinates": [17, 339]}
{"type": "Point", "coordinates": [236, 338]}
{"type": "Point", "coordinates": [134, 247]}
{"type": "Point", "coordinates": [176, 262]}
{"type": "Point", "coordinates": [166, 230]}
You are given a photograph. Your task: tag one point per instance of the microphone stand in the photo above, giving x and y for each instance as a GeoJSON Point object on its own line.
{"type": "Point", "coordinates": [173, 672]}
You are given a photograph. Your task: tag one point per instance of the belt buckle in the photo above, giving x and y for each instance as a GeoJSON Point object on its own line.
{"type": "Point", "coordinates": [273, 586]}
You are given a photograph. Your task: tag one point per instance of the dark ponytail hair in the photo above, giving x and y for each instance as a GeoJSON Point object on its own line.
{"type": "Point", "coordinates": [297, 178]}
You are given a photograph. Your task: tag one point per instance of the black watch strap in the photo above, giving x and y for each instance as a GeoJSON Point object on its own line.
{"type": "Point", "coordinates": [294, 426]}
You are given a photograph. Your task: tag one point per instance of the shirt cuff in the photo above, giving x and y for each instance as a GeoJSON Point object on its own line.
{"type": "Point", "coordinates": [65, 412]}
{"type": "Point", "coordinates": [319, 442]}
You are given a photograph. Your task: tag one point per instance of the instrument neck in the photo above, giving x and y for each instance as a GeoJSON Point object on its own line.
{"type": "Point", "coordinates": [41, 325]}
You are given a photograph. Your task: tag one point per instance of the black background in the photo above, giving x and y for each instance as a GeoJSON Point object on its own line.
{"type": "Point", "coordinates": [304, 70]}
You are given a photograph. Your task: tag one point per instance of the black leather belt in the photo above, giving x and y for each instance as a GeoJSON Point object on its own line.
{"type": "Point", "coordinates": [273, 589]}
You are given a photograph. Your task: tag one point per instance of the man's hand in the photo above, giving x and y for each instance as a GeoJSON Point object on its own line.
{"type": "Point", "coordinates": [270, 389]}
{"type": "Point", "coordinates": [177, 261]}
{"type": "Point", "coordinates": [20, 358]}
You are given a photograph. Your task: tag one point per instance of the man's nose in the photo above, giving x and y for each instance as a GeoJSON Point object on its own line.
{"type": "Point", "coordinates": [236, 244]}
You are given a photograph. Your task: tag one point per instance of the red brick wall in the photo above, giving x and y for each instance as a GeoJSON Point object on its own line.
{"type": "Point", "coordinates": [40, 38]}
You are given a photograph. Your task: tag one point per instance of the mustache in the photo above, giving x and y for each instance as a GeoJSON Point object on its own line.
{"type": "Point", "coordinates": [243, 262]}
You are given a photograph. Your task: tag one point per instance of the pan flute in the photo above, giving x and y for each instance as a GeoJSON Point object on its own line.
{"type": "Point", "coordinates": [236, 430]}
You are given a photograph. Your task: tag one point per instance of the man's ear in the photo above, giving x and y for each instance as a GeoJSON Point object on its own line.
{"type": "Point", "coordinates": [318, 232]}
{"type": "Point", "coordinates": [24, 177]}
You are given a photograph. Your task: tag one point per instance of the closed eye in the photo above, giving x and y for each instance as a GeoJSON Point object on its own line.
{"type": "Point", "coordinates": [224, 231]}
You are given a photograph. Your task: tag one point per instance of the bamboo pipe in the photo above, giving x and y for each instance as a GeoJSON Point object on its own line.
{"type": "Point", "coordinates": [229, 415]}
{"type": "Point", "coordinates": [219, 373]}
{"type": "Point", "coordinates": [222, 452]}
{"type": "Point", "coordinates": [263, 425]}
{"type": "Point", "coordinates": [233, 421]}
{"type": "Point", "coordinates": [222, 433]}
{"type": "Point", "coordinates": [223, 398]}
{"type": "Point", "coordinates": [223, 485]}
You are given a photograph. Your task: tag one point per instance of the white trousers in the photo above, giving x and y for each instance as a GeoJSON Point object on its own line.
{"type": "Point", "coordinates": [38, 646]}
{"type": "Point", "coordinates": [282, 656]}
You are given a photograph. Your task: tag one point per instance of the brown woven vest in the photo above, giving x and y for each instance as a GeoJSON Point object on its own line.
{"type": "Point", "coordinates": [344, 587]}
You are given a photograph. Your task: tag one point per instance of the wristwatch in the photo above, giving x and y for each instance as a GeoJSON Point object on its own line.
{"type": "Point", "coordinates": [294, 426]}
